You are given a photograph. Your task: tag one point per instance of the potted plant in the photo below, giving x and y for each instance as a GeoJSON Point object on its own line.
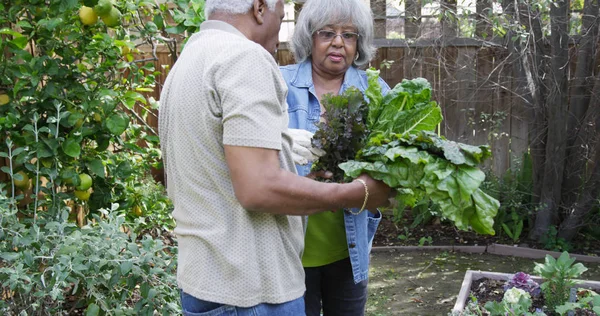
{"type": "Point", "coordinates": [556, 291]}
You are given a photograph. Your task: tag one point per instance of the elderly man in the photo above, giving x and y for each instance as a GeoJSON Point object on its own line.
{"type": "Point", "coordinates": [230, 172]}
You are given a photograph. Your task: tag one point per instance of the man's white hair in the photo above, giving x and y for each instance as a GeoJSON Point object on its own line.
{"type": "Point", "coordinates": [233, 6]}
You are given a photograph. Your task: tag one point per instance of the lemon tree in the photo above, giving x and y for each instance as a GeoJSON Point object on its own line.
{"type": "Point", "coordinates": [73, 73]}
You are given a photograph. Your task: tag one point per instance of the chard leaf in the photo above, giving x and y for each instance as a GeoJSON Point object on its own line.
{"type": "Point", "coordinates": [408, 93]}
{"type": "Point", "coordinates": [423, 117]}
{"type": "Point", "coordinates": [374, 95]}
{"type": "Point", "coordinates": [456, 153]}
{"type": "Point", "coordinates": [486, 208]}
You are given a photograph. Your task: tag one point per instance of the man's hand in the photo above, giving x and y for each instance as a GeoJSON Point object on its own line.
{"type": "Point", "coordinates": [302, 150]}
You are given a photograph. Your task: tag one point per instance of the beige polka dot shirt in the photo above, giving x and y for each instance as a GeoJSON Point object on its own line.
{"type": "Point", "coordinates": [227, 90]}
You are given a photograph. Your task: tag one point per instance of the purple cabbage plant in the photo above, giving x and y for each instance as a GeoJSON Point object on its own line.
{"type": "Point", "coordinates": [524, 282]}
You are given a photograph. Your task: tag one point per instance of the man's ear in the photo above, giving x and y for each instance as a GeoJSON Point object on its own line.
{"type": "Point", "coordinates": [259, 8]}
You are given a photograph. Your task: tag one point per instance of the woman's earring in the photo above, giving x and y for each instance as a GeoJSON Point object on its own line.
{"type": "Point", "coordinates": [357, 56]}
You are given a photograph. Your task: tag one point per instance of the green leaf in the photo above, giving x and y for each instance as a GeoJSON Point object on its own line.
{"type": "Point", "coordinates": [486, 208]}
{"type": "Point", "coordinates": [97, 167]}
{"type": "Point", "coordinates": [131, 97]}
{"type": "Point", "coordinates": [92, 310]}
{"type": "Point", "coordinates": [373, 93]}
{"type": "Point", "coordinates": [117, 123]}
{"type": "Point", "coordinates": [126, 266]}
{"type": "Point", "coordinates": [72, 147]}
{"type": "Point", "coordinates": [47, 147]}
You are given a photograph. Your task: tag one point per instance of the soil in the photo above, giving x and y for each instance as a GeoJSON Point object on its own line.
{"type": "Point", "coordinates": [437, 233]}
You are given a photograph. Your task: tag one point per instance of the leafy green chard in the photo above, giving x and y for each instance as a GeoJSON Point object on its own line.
{"type": "Point", "coordinates": [402, 150]}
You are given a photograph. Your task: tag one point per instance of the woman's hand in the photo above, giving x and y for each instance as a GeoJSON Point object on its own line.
{"type": "Point", "coordinates": [302, 149]}
{"type": "Point", "coordinates": [320, 174]}
{"type": "Point", "coordinates": [379, 192]}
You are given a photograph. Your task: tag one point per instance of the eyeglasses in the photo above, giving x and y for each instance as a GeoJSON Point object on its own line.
{"type": "Point", "coordinates": [328, 36]}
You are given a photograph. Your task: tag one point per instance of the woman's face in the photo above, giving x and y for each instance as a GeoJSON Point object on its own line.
{"type": "Point", "coordinates": [334, 48]}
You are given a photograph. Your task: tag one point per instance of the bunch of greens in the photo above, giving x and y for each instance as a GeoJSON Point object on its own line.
{"type": "Point", "coordinates": [343, 132]}
{"type": "Point", "coordinates": [398, 146]}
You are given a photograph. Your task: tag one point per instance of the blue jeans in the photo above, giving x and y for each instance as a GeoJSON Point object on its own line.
{"type": "Point", "coordinates": [194, 307]}
{"type": "Point", "coordinates": [332, 288]}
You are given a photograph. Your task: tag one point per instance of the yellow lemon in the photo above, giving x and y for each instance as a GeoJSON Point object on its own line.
{"type": "Point", "coordinates": [85, 182]}
{"type": "Point", "coordinates": [47, 162]}
{"type": "Point", "coordinates": [22, 184]}
{"type": "Point", "coordinates": [4, 99]}
{"type": "Point", "coordinates": [83, 195]}
{"type": "Point", "coordinates": [87, 16]}
{"type": "Point", "coordinates": [125, 50]}
{"type": "Point", "coordinates": [113, 18]}
{"type": "Point", "coordinates": [97, 117]}
{"type": "Point", "coordinates": [103, 7]}
{"type": "Point", "coordinates": [137, 210]}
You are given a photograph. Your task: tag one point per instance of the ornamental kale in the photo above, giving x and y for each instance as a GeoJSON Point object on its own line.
{"type": "Point", "coordinates": [398, 145]}
{"type": "Point", "coordinates": [524, 282]}
{"type": "Point", "coordinates": [343, 132]}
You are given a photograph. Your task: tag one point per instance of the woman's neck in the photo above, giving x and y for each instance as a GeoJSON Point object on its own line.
{"type": "Point", "coordinates": [329, 83]}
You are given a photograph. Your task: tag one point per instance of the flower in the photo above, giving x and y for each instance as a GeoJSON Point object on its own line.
{"type": "Point", "coordinates": [513, 295]}
{"type": "Point", "coordinates": [524, 282]}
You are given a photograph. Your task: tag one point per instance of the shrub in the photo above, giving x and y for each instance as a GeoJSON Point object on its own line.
{"type": "Point", "coordinates": [53, 267]}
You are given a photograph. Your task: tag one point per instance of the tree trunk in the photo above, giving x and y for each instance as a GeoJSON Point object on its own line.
{"type": "Point", "coordinates": [590, 187]}
{"type": "Point", "coordinates": [581, 93]}
{"type": "Point", "coordinates": [589, 198]}
{"type": "Point", "coordinates": [557, 127]}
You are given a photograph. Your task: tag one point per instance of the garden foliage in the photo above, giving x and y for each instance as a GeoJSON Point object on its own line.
{"type": "Point", "coordinates": [76, 151]}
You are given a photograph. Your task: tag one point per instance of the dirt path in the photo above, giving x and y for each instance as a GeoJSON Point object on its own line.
{"type": "Point", "coordinates": [427, 283]}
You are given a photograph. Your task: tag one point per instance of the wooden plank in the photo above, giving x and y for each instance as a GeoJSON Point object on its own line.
{"type": "Point", "coordinates": [395, 73]}
{"type": "Point", "coordinates": [448, 87]}
{"type": "Point", "coordinates": [412, 63]}
{"type": "Point", "coordinates": [466, 78]}
{"type": "Point", "coordinates": [501, 105]}
{"type": "Point", "coordinates": [486, 85]}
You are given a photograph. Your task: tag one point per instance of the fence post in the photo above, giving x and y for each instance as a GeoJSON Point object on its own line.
{"type": "Point", "coordinates": [379, 17]}
{"type": "Point", "coordinates": [449, 19]}
{"type": "Point", "coordinates": [412, 21]}
{"type": "Point", "coordinates": [483, 28]}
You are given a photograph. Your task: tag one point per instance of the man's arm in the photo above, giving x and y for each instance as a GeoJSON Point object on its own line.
{"type": "Point", "coordinates": [261, 185]}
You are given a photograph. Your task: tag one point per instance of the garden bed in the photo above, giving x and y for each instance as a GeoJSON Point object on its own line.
{"type": "Point", "coordinates": [488, 286]}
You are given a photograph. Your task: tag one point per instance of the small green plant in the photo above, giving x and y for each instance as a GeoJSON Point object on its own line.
{"type": "Point", "coordinates": [551, 241]}
{"type": "Point", "coordinates": [472, 308]}
{"type": "Point", "coordinates": [513, 228]}
{"type": "Point", "coordinates": [586, 300]}
{"type": "Point", "coordinates": [558, 275]}
{"type": "Point", "coordinates": [515, 302]}
{"type": "Point", "coordinates": [406, 234]}
{"type": "Point", "coordinates": [425, 240]}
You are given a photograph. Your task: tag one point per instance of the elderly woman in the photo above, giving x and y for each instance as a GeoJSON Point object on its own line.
{"type": "Point", "coordinates": [331, 40]}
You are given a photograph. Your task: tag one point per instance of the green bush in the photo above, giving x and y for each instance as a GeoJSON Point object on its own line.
{"type": "Point", "coordinates": [54, 267]}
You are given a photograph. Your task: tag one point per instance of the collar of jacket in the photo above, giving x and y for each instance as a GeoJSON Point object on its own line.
{"type": "Point", "coordinates": [303, 77]}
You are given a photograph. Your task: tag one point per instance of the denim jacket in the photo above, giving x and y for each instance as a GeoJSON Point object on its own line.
{"type": "Point", "coordinates": [304, 113]}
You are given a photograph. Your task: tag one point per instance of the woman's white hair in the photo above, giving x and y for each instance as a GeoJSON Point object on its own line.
{"type": "Point", "coordinates": [316, 14]}
{"type": "Point", "coordinates": [233, 6]}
